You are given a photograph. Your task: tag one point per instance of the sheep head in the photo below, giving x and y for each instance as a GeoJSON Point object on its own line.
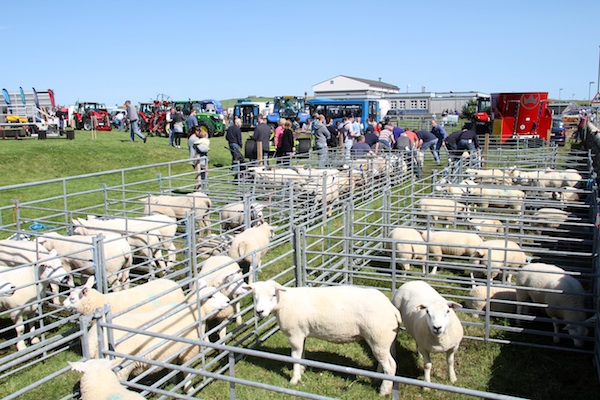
{"type": "Point", "coordinates": [438, 315]}
{"type": "Point", "coordinates": [266, 296]}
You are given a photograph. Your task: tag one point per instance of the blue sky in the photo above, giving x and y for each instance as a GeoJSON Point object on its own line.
{"type": "Point", "coordinates": [112, 51]}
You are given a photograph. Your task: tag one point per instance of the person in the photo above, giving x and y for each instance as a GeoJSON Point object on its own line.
{"type": "Point", "coordinates": [322, 135]}
{"type": "Point", "coordinates": [371, 138]}
{"type": "Point", "coordinates": [296, 124]}
{"type": "Point", "coordinates": [234, 140]}
{"type": "Point", "coordinates": [427, 140]}
{"type": "Point", "coordinates": [397, 131]}
{"type": "Point", "coordinates": [386, 138]}
{"type": "Point", "coordinates": [177, 127]}
{"type": "Point", "coordinates": [406, 146]}
{"type": "Point", "coordinates": [307, 126]}
{"type": "Point", "coordinates": [440, 133]}
{"type": "Point", "coordinates": [333, 141]}
{"type": "Point", "coordinates": [468, 141]}
{"type": "Point", "coordinates": [286, 148]}
{"type": "Point", "coordinates": [412, 136]}
{"type": "Point", "coordinates": [452, 145]}
{"type": "Point", "coordinates": [360, 148]}
{"type": "Point", "coordinates": [348, 134]}
{"type": "Point", "coordinates": [119, 120]}
{"type": "Point", "coordinates": [357, 127]}
{"type": "Point", "coordinates": [262, 133]}
{"type": "Point", "coordinates": [192, 138]}
{"type": "Point", "coordinates": [191, 121]}
{"type": "Point", "coordinates": [278, 133]}
{"type": "Point", "coordinates": [202, 146]}
{"type": "Point", "coordinates": [169, 126]}
{"type": "Point", "coordinates": [132, 116]}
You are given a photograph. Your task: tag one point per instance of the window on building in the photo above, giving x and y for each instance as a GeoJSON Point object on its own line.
{"type": "Point", "coordinates": [423, 104]}
{"type": "Point", "coordinates": [401, 105]}
{"type": "Point", "coordinates": [393, 104]}
{"type": "Point", "coordinates": [413, 104]}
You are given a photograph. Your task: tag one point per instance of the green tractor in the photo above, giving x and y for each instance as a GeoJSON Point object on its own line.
{"type": "Point", "coordinates": [208, 120]}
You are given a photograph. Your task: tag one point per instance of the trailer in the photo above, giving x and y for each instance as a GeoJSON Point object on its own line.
{"type": "Point", "coordinates": [23, 113]}
{"type": "Point", "coordinates": [514, 116]}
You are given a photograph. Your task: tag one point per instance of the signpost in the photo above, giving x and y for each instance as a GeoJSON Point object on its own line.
{"type": "Point", "coordinates": [596, 99]}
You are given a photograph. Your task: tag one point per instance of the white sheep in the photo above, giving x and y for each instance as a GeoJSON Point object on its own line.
{"type": "Point", "coordinates": [526, 178]}
{"type": "Point", "coordinates": [548, 219]}
{"type": "Point", "coordinates": [498, 296]}
{"type": "Point", "coordinates": [178, 321]}
{"type": "Point", "coordinates": [76, 254]}
{"type": "Point", "coordinates": [448, 243]}
{"type": "Point", "coordinates": [564, 295]}
{"type": "Point", "coordinates": [251, 246]}
{"type": "Point", "coordinates": [222, 272]}
{"type": "Point", "coordinates": [567, 195]}
{"type": "Point", "coordinates": [501, 254]}
{"type": "Point", "coordinates": [338, 314]}
{"type": "Point", "coordinates": [431, 321]}
{"type": "Point", "coordinates": [440, 208]}
{"type": "Point", "coordinates": [145, 297]}
{"type": "Point", "coordinates": [148, 235]}
{"type": "Point", "coordinates": [100, 382]}
{"type": "Point", "coordinates": [493, 175]}
{"type": "Point", "coordinates": [19, 252]}
{"type": "Point", "coordinates": [405, 250]}
{"type": "Point", "coordinates": [487, 225]}
{"type": "Point", "coordinates": [233, 216]}
{"type": "Point", "coordinates": [197, 202]}
{"type": "Point", "coordinates": [453, 190]}
{"type": "Point", "coordinates": [497, 197]}
{"type": "Point", "coordinates": [560, 178]}
{"type": "Point", "coordinates": [24, 301]}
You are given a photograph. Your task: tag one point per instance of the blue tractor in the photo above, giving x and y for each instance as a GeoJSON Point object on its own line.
{"type": "Point", "coordinates": [288, 107]}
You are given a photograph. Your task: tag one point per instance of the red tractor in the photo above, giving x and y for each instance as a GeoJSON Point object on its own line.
{"type": "Point", "coordinates": [152, 117]}
{"type": "Point", "coordinates": [90, 115]}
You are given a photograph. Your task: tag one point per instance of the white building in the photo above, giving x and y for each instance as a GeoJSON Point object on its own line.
{"type": "Point", "coordinates": [347, 87]}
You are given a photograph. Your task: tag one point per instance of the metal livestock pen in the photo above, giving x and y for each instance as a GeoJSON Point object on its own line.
{"type": "Point", "coordinates": [338, 241]}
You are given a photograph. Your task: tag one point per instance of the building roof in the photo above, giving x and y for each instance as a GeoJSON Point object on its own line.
{"type": "Point", "coordinates": [373, 83]}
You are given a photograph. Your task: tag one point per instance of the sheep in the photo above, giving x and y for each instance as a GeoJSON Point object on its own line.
{"type": "Point", "coordinates": [223, 272]}
{"type": "Point", "coordinates": [233, 216]}
{"type": "Point", "coordinates": [487, 225]}
{"type": "Point", "coordinates": [24, 301]}
{"type": "Point", "coordinates": [431, 321]}
{"type": "Point", "coordinates": [449, 243]}
{"type": "Point", "coordinates": [178, 321]}
{"type": "Point", "coordinates": [440, 208]}
{"type": "Point", "coordinates": [510, 198]}
{"type": "Point", "coordinates": [145, 297]}
{"type": "Point", "coordinates": [493, 175]}
{"type": "Point", "coordinates": [407, 251]}
{"type": "Point", "coordinates": [501, 254]}
{"type": "Point", "coordinates": [338, 314]}
{"type": "Point", "coordinates": [550, 285]}
{"type": "Point", "coordinates": [498, 297]}
{"type": "Point", "coordinates": [100, 382]}
{"type": "Point", "coordinates": [251, 246]}
{"type": "Point", "coordinates": [198, 202]}
{"type": "Point", "coordinates": [453, 190]}
{"type": "Point", "coordinates": [548, 218]}
{"type": "Point", "coordinates": [19, 252]}
{"type": "Point", "coordinates": [526, 178]}
{"type": "Point", "coordinates": [546, 178]}
{"type": "Point", "coordinates": [76, 254]}
{"type": "Point", "coordinates": [568, 195]}
{"type": "Point", "coordinates": [148, 235]}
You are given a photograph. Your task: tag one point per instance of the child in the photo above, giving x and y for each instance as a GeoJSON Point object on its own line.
{"type": "Point", "coordinates": [202, 146]}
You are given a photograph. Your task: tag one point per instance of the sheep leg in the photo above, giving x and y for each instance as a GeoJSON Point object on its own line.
{"type": "Point", "coordinates": [386, 363]}
{"type": "Point", "coordinates": [450, 362]}
{"type": "Point", "coordinates": [17, 318]}
{"type": "Point", "coordinates": [426, 364]}
{"type": "Point", "coordinates": [555, 338]}
{"type": "Point", "coordinates": [297, 344]}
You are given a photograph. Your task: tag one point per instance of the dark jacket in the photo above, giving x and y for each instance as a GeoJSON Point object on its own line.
{"type": "Point", "coordinates": [234, 135]}
{"type": "Point", "coordinates": [262, 133]}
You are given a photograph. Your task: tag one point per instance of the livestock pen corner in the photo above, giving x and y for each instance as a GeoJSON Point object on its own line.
{"type": "Point", "coordinates": [332, 228]}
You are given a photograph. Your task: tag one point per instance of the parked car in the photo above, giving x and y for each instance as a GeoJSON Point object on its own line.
{"type": "Point", "coordinates": [557, 134]}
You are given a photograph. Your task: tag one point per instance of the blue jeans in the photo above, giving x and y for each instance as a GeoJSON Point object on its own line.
{"type": "Point", "coordinates": [431, 145]}
{"type": "Point", "coordinates": [135, 129]}
{"type": "Point", "coordinates": [322, 155]}
{"type": "Point", "coordinates": [235, 166]}
{"type": "Point", "coordinates": [348, 147]}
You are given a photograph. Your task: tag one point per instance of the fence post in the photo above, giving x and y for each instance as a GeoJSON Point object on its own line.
{"type": "Point", "coordinates": [99, 261]}
{"type": "Point", "coordinates": [298, 235]}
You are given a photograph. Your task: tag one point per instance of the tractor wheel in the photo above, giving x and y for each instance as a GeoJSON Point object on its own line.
{"type": "Point", "coordinates": [87, 124]}
{"type": "Point", "coordinates": [206, 127]}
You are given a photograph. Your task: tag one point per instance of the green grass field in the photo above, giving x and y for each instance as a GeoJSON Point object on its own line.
{"type": "Point", "coordinates": [519, 371]}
